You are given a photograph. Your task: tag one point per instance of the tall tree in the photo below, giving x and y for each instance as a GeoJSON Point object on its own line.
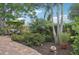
{"type": "Point", "coordinates": [49, 16]}
{"type": "Point", "coordinates": [58, 22]}
{"type": "Point", "coordinates": [48, 8]}
{"type": "Point", "coordinates": [61, 21]}
{"type": "Point", "coordinates": [53, 26]}
{"type": "Point", "coordinates": [59, 7]}
{"type": "Point", "coordinates": [61, 24]}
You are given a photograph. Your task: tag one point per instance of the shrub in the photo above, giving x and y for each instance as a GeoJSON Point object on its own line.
{"type": "Point", "coordinates": [43, 27]}
{"type": "Point", "coordinates": [29, 38]}
{"type": "Point", "coordinates": [65, 37]}
{"type": "Point", "coordinates": [72, 39]}
{"type": "Point", "coordinates": [34, 39]}
{"type": "Point", "coordinates": [2, 31]}
{"type": "Point", "coordinates": [75, 46]}
{"type": "Point", "coordinates": [48, 38]}
{"type": "Point", "coordinates": [16, 37]}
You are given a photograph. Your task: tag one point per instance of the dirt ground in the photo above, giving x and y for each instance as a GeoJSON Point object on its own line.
{"type": "Point", "coordinates": [45, 49]}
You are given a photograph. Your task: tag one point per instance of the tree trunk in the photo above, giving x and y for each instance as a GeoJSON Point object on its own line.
{"type": "Point", "coordinates": [61, 24]}
{"type": "Point", "coordinates": [53, 26]}
{"type": "Point", "coordinates": [58, 23]}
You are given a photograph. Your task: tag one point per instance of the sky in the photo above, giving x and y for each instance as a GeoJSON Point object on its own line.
{"type": "Point", "coordinates": [40, 13]}
{"type": "Point", "coordinates": [66, 10]}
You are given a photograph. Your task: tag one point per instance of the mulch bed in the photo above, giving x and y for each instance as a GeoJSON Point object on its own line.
{"type": "Point", "coordinates": [45, 49]}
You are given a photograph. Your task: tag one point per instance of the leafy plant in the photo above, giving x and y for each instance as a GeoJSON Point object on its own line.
{"type": "Point", "coordinates": [15, 26]}
{"type": "Point", "coordinates": [75, 28]}
{"type": "Point", "coordinates": [48, 38]}
{"type": "Point", "coordinates": [72, 39]}
{"type": "Point", "coordinates": [65, 37]}
{"type": "Point", "coordinates": [42, 27]}
{"type": "Point", "coordinates": [75, 46]}
{"type": "Point", "coordinates": [1, 31]}
{"type": "Point", "coordinates": [29, 38]}
{"type": "Point", "coordinates": [16, 37]}
{"type": "Point", "coordinates": [34, 39]}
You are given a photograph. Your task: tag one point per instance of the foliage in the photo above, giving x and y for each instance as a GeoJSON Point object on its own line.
{"type": "Point", "coordinates": [75, 27]}
{"type": "Point", "coordinates": [11, 11]}
{"type": "Point", "coordinates": [72, 38]}
{"type": "Point", "coordinates": [14, 25]}
{"type": "Point", "coordinates": [1, 31]}
{"type": "Point", "coordinates": [34, 39]}
{"type": "Point", "coordinates": [16, 37]}
{"type": "Point", "coordinates": [40, 25]}
{"type": "Point", "coordinates": [65, 37]}
{"type": "Point", "coordinates": [43, 27]}
{"type": "Point", "coordinates": [19, 10]}
{"type": "Point", "coordinates": [49, 38]}
{"type": "Point", "coordinates": [29, 38]}
{"type": "Point", "coordinates": [74, 12]}
{"type": "Point", "coordinates": [75, 45]}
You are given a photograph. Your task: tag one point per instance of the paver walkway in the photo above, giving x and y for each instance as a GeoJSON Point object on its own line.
{"type": "Point", "coordinates": [9, 47]}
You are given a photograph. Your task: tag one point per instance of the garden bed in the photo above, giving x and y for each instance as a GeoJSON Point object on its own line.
{"type": "Point", "coordinates": [45, 49]}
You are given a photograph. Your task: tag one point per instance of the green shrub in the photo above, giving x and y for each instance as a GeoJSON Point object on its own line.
{"type": "Point", "coordinates": [16, 37]}
{"type": "Point", "coordinates": [72, 39]}
{"type": "Point", "coordinates": [2, 31]}
{"type": "Point", "coordinates": [29, 38]}
{"type": "Point", "coordinates": [48, 38]}
{"type": "Point", "coordinates": [65, 37]}
{"type": "Point", "coordinates": [41, 26]}
{"type": "Point", "coordinates": [75, 46]}
{"type": "Point", "coordinates": [34, 39]}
